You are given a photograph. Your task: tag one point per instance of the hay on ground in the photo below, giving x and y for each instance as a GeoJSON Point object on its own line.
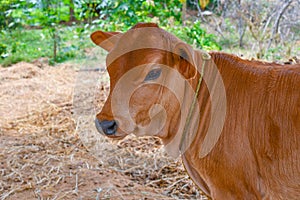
{"type": "Point", "coordinates": [43, 157]}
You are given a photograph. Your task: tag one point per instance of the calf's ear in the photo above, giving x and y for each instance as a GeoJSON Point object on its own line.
{"type": "Point", "coordinates": [106, 40]}
{"type": "Point", "coordinates": [185, 60]}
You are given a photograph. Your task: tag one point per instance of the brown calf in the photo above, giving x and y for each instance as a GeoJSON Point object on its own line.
{"type": "Point", "coordinates": [253, 132]}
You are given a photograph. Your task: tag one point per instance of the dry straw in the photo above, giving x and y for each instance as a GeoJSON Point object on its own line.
{"type": "Point", "coordinates": [42, 157]}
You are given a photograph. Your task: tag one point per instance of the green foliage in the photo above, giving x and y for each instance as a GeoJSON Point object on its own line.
{"type": "Point", "coordinates": [275, 53]}
{"type": "Point", "coordinates": [3, 50]}
{"type": "Point", "coordinates": [197, 36]}
{"type": "Point", "coordinates": [61, 43]}
{"type": "Point", "coordinates": [7, 18]}
{"type": "Point", "coordinates": [4, 19]}
{"type": "Point", "coordinates": [121, 15]}
{"type": "Point", "coordinates": [33, 13]}
{"type": "Point", "coordinates": [28, 45]}
{"type": "Point", "coordinates": [23, 45]}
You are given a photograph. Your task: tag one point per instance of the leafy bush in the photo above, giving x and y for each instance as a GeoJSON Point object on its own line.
{"type": "Point", "coordinates": [196, 36]}
{"type": "Point", "coordinates": [7, 8]}
{"type": "Point", "coordinates": [199, 37]}
{"type": "Point", "coordinates": [121, 15]}
{"type": "Point", "coordinates": [275, 53]}
{"type": "Point", "coordinates": [57, 41]}
{"type": "Point", "coordinates": [3, 50]}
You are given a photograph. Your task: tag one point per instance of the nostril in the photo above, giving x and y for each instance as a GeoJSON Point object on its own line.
{"type": "Point", "coordinates": [109, 127]}
{"type": "Point", "coordinates": [98, 126]}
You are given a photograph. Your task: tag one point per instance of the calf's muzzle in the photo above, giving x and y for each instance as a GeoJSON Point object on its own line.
{"type": "Point", "coordinates": [107, 127]}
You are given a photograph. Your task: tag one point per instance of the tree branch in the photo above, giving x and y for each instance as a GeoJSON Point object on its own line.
{"type": "Point", "coordinates": [277, 21]}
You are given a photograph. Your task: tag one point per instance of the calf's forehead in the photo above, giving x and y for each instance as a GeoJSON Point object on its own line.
{"type": "Point", "coordinates": [142, 38]}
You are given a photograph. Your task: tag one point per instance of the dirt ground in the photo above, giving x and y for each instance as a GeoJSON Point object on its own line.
{"type": "Point", "coordinates": [49, 148]}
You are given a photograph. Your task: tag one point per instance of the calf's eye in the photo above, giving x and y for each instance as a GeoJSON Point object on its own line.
{"type": "Point", "coordinates": [153, 74]}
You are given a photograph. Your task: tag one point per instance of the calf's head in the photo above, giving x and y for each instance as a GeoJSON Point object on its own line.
{"type": "Point", "coordinates": [151, 75]}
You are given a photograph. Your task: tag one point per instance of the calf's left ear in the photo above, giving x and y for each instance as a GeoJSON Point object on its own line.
{"type": "Point", "coordinates": [185, 60]}
{"type": "Point", "coordinates": [106, 40]}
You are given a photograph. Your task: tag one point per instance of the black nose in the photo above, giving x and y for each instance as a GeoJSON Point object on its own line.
{"type": "Point", "coordinates": [107, 127]}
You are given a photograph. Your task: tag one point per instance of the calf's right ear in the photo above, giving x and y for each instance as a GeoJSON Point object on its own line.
{"type": "Point", "coordinates": [185, 64]}
{"type": "Point", "coordinates": [106, 40]}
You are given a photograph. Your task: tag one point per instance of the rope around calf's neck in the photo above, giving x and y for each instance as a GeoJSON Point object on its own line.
{"type": "Point", "coordinates": [205, 58]}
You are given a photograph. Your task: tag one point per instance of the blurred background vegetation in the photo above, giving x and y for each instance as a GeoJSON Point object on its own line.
{"type": "Point", "coordinates": [59, 29]}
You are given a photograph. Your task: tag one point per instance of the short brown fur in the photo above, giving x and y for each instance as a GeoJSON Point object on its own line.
{"type": "Point", "coordinates": [258, 153]}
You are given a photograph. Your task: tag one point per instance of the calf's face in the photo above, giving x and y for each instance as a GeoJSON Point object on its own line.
{"type": "Point", "coordinates": [147, 83]}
